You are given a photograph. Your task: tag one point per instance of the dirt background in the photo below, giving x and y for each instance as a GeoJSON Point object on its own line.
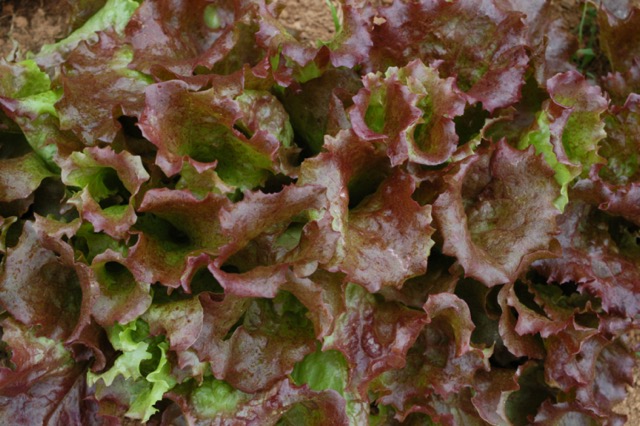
{"type": "Point", "coordinates": [26, 25]}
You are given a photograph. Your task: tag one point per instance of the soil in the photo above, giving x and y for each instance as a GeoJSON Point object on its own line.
{"type": "Point", "coordinates": [308, 20]}
{"type": "Point", "coordinates": [26, 25]}
{"type": "Point", "coordinates": [631, 405]}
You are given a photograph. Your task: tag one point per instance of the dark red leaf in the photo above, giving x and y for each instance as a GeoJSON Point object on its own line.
{"type": "Point", "coordinates": [387, 236]}
{"type": "Point", "coordinates": [481, 218]}
{"type": "Point", "coordinates": [271, 338]}
{"type": "Point", "coordinates": [180, 35]}
{"type": "Point", "coordinates": [42, 381]}
{"type": "Point", "coordinates": [374, 336]}
{"type": "Point", "coordinates": [463, 35]}
{"type": "Point", "coordinates": [39, 289]}
{"type": "Point", "coordinates": [619, 39]}
{"type": "Point", "coordinates": [98, 88]}
{"type": "Point", "coordinates": [594, 261]}
{"type": "Point", "coordinates": [177, 227]}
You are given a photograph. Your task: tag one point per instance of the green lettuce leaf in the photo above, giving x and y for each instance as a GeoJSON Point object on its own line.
{"type": "Point", "coordinates": [143, 364]}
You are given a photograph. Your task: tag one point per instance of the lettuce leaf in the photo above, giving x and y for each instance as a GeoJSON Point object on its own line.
{"type": "Point", "coordinates": [480, 43]}
{"type": "Point", "coordinates": [430, 218]}
{"type": "Point", "coordinates": [143, 367]}
{"type": "Point", "coordinates": [497, 240]}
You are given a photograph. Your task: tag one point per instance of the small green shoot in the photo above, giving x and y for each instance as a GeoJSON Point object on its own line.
{"type": "Point", "coordinates": [587, 38]}
{"type": "Point", "coordinates": [334, 14]}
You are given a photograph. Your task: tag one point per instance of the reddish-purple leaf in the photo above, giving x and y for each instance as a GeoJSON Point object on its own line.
{"type": "Point", "coordinates": [439, 365]}
{"type": "Point", "coordinates": [481, 216]}
{"type": "Point", "coordinates": [271, 336]}
{"type": "Point", "coordinates": [259, 213]}
{"type": "Point", "coordinates": [480, 43]}
{"type": "Point", "coordinates": [120, 297]}
{"type": "Point", "coordinates": [621, 85]}
{"type": "Point", "coordinates": [617, 200]}
{"type": "Point", "coordinates": [596, 258]}
{"type": "Point", "coordinates": [615, 187]}
{"type": "Point", "coordinates": [388, 236]}
{"type": "Point", "coordinates": [20, 176]}
{"type": "Point", "coordinates": [314, 408]}
{"type": "Point", "coordinates": [492, 390]}
{"type": "Point", "coordinates": [351, 167]}
{"type": "Point", "coordinates": [176, 35]}
{"type": "Point", "coordinates": [39, 289]}
{"type": "Point", "coordinates": [41, 381]}
{"type": "Point", "coordinates": [177, 226]}
{"type": "Point", "coordinates": [91, 106]}
{"type": "Point", "coordinates": [211, 127]}
{"type": "Point", "coordinates": [374, 336]}
{"type": "Point", "coordinates": [548, 36]}
{"type": "Point", "coordinates": [321, 293]}
{"type": "Point", "coordinates": [520, 345]}
{"type": "Point", "coordinates": [577, 107]}
{"type": "Point", "coordinates": [180, 321]}
{"type": "Point", "coordinates": [563, 413]}
{"type": "Point", "coordinates": [412, 110]}
{"type": "Point", "coordinates": [619, 38]}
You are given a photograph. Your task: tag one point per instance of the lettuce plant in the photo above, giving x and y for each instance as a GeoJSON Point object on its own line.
{"type": "Point", "coordinates": [432, 218]}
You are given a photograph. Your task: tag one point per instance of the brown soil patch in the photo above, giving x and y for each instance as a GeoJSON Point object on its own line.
{"type": "Point", "coordinates": [631, 406]}
{"type": "Point", "coordinates": [28, 25]}
{"type": "Point", "coordinates": [308, 20]}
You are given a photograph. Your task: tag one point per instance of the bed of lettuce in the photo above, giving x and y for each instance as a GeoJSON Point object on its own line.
{"type": "Point", "coordinates": [432, 218]}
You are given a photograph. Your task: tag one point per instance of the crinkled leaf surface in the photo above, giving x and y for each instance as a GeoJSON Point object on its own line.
{"type": "Point", "coordinates": [42, 377]}
{"type": "Point", "coordinates": [549, 37]}
{"type": "Point", "coordinates": [38, 289]}
{"type": "Point", "coordinates": [568, 130]}
{"type": "Point", "coordinates": [620, 85]}
{"type": "Point", "coordinates": [387, 237]}
{"type": "Point", "coordinates": [20, 176]}
{"type": "Point", "coordinates": [618, 35]}
{"type": "Point", "coordinates": [477, 41]}
{"type": "Point", "coordinates": [412, 108]}
{"type": "Point", "coordinates": [90, 106]}
{"type": "Point", "coordinates": [583, 128]}
{"type": "Point", "coordinates": [170, 233]}
{"type": "Point", "coordinates": [181, 35]}
{"type": "Point", "coordinates": [566, 413]}
{"type": "Point", "coordinates": [108, 182]}
{"type": "Point", "coordinates": [516, 339]}
{"type": "Point", "coordinates": [215, 402]}
{"type": "Point", "coordinates": [121, 297]}
{"type": "Point", "coordinates": [260, 213]}
{"type": "Point", "coordinates": [621, 146]}
{"type": "Point", "coordinates": [142, 369]}
{"type": "Point", "coordinates": [440, 362]}
{"type": "Point", "coordinates": [180, 321]}
{"type": "Point", "coordinates": [22, 79]}
{"type": "Point", "coordinates": [316, 107]}
{"type": "Point", "coordinates": [615, 187]}
{"type": "Point", "coordinates": [598, 256]}
{"type": "Point", "coordinates": [492, 391]}
{"type": "Point", "coordinates": [204, 130]}
{"type": "Point", "coordinates": [114, 14]}
{"type": "Point", "coordinates": [373, 336]}
{"type": "Point", "coordinates": [480, 215]}
{"type": "Point", "coordinates": [351, 168]}
{"type": "Point", "coordinates": [37, 118]}
{"type": "Point", "coordinates": [271, 337]}
{"type": "Point", "coordinates": [204, 220]}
